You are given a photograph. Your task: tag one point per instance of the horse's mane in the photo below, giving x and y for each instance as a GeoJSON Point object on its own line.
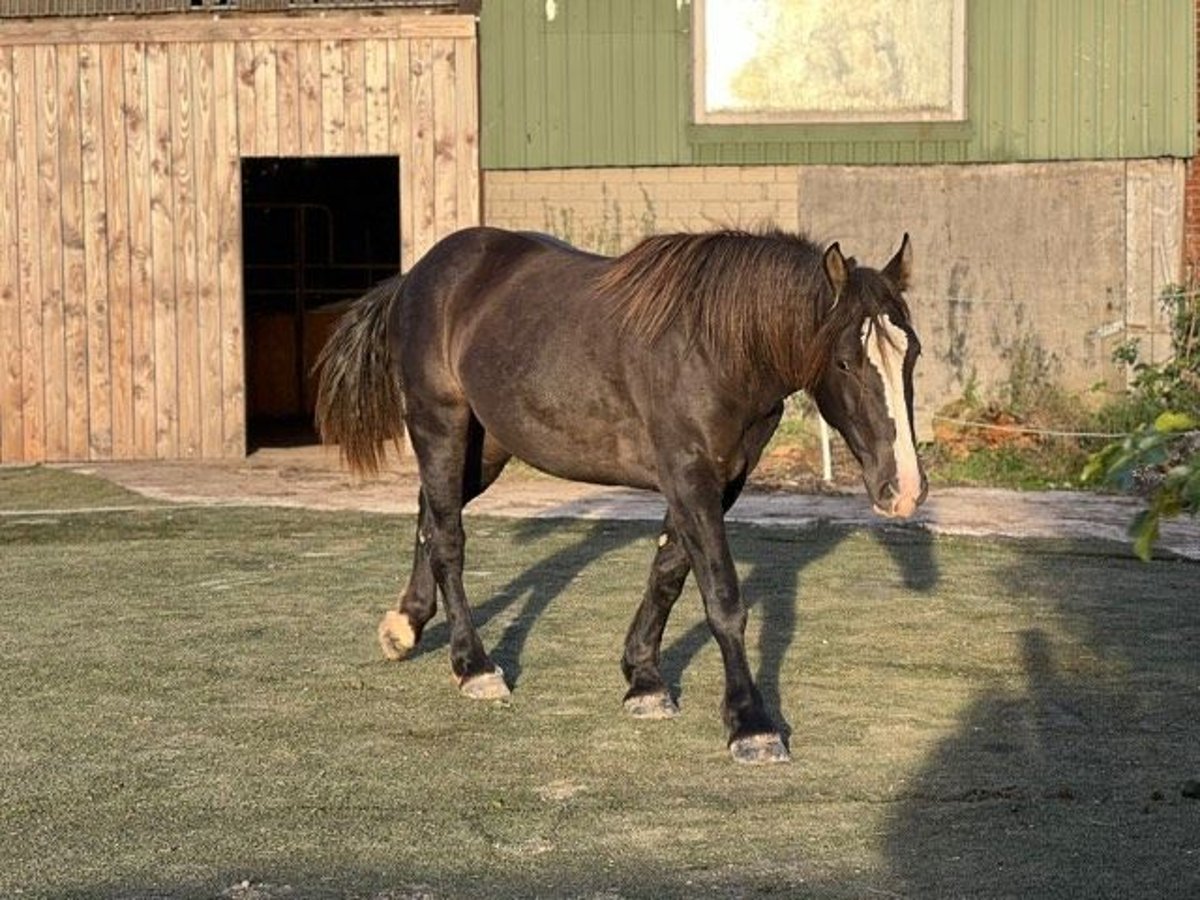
{"type": "Point", "coordinates": [752, 300]}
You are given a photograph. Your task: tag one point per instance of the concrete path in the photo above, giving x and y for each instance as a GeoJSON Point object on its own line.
{"type": "Point", "coordinates": [311, 478]}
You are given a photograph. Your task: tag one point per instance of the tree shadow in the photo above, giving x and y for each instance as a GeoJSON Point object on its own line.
{"type": "Point", "coordinates": [1071, 784]}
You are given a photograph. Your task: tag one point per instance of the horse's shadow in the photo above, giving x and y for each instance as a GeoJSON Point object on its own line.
{"type": "Point", "coordinates": [523, 599]}
{"type": "Point", "coordinates": [771, 585]}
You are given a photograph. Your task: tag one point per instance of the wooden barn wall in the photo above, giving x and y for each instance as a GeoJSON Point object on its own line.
{"type": "Point", "coordinates": [121, 309]}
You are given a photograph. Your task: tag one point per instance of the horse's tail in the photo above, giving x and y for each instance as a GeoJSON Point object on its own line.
{"type": "Point", "coordinates": [360, 403]}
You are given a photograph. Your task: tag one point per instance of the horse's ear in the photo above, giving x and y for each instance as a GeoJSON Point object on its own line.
{"type": "Point", "coordinates": [899, 268]}
{"type": "Point", "coordinates": [835, 269]}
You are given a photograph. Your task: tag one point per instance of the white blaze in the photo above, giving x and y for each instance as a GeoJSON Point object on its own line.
{"type": "Point", "coordinates": [887, 353]}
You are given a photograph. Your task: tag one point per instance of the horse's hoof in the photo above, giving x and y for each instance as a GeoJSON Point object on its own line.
{"type": "Point", "coordinates": [488, 686]}
{"type": "Point", "coordinates": [759, 750]}
{"type": "Point", "coordinates": [652, 706]}
{"type": "Point", "coordinates": [396, 635]}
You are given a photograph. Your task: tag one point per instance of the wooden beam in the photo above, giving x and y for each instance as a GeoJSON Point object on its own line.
{"type": "Point", "coordinates": [116, 232]}
{"type": "Point", "coordinates": [232, 27]}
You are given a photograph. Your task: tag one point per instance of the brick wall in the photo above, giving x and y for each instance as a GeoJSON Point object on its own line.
{"type": "Point", "coordinates": [609, 210]}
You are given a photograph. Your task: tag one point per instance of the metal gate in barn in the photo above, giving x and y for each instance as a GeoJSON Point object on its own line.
{"type": "Point", "coordinates": [127, 148]}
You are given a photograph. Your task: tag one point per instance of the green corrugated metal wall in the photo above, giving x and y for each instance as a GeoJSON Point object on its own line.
{"type": "Point", "coordinates": [599, 84]}
{"type": "Point", "coordinates": [607, 83]}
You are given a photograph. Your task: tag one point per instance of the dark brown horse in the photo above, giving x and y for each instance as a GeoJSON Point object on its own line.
{"type": "Point", "coordinates": [665, 368]}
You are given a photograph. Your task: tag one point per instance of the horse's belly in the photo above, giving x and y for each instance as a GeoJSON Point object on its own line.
{"type": "Point", "coordinates": [548, 380]}
{"type": "Point", "coordinates": [570, 437]}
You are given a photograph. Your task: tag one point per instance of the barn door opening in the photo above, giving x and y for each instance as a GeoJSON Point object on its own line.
{"type": "Point", "coordinates": [317, 233]}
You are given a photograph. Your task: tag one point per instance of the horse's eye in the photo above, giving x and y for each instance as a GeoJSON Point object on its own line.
{"type": "Point", "coordinates": [843, 365]}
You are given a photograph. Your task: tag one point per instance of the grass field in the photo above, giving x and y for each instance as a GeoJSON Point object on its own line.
{"type": "Point", "coordinates": [192, 705]}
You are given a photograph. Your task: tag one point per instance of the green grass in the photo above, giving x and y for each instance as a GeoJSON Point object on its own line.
{"type": "Point", "coordinates": [193, 705]}
{"type": "Point", "coordinates": [1018, 468]}
{"type": "Point", "coordinates": [28, 488]}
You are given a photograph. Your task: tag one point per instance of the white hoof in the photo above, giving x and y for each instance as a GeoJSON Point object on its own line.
{"type": "Point", "coordinates": [396, 635]}
{"type": "Point", "coordinates": [759, 750]}
{"type": "Point", "coordinates": [488, 686]}
{"type": "Point", "coordinates": [652, 706]}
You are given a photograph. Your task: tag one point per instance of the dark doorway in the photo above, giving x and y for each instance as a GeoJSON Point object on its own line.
{"type": "Point", "coordinates": [316, 234]}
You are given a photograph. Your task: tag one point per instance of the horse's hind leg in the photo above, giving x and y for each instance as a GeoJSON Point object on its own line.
{"type": "Point", "coordinates": [400, 629]}
{"type": "Point", "coordinates": [441, 435]}
{"type": "Point", "coordinates": [648, 696]}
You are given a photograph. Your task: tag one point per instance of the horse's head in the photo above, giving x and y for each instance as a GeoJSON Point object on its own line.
{"type": "Point", "coordinates": [866, 389]}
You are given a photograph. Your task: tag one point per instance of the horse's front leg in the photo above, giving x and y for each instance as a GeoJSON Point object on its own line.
{"type": "Point", "coordinates": [694, 498]}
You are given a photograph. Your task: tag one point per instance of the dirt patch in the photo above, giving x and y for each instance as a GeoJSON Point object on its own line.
{"type": "Point", "coordinates": [785, 491]}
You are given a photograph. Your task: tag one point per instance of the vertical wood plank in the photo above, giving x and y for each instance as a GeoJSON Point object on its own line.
{"type": "Point", "coordinates": [354, 98]}
{"type": "Point", "coordinates": [287, 99]}
{"type": "Point", "coordinates": [308, 61]}
{"type": "Point", "coordinates": [375, 77]}
{"type": "Point", "coordinates": [467, 111]}
{"type": "Point", "coordinates": [421, 155]}
{"type": "Point", "coordinates": [247, 108]}
{"type": "Point", "coordinates": [116, 210]}
{"type": "Point", "coordinates": [50, 250]}
{"type": "Point", "coordinates": [141, 281]}
{"type": "Point", "coordinates": [162, 244]}
{"type": "Point", "coordinates": [445, 138]}
{"type": "Point", "coordinates": [29, 238]}
{"type": "Point", "coordinates": [12, 440]}
{"type": "Point", "coordinates": [400, 131]}
{"type": "Point", "coordinates": [208, 298]}
{"type": "Point", "coordinates": [228, 224]}
{"type": "Point", "coordinates": [333, 99]}
{"type": "Point", "coordinates": [74, 297]}
{"type": "Point", "coordinates": [183, 189]}
{"type": "Point", "coordinates": [95, 253]}
{"type": "Point", "coordinates": [266, 109]}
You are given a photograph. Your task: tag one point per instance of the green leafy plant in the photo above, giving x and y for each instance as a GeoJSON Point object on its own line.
{"type": "Point", "coordinates": [1161, 445]}
{"type": "Point", "coordinates": [1161, 456]}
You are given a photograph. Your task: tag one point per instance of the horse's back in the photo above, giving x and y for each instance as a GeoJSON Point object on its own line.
{"type": "Point", "coordinates": [509, 323]}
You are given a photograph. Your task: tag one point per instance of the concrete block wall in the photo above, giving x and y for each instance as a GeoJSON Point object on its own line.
{"type": "Point", "coordinates": [1054, 263]}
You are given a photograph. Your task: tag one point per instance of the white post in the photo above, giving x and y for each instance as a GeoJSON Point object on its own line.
{"type": "Point", "coordinates": [826, 452]}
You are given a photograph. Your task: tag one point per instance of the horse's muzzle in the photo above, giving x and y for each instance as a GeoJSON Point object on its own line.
{"type": "Point", "coordinates": [892, 503]}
